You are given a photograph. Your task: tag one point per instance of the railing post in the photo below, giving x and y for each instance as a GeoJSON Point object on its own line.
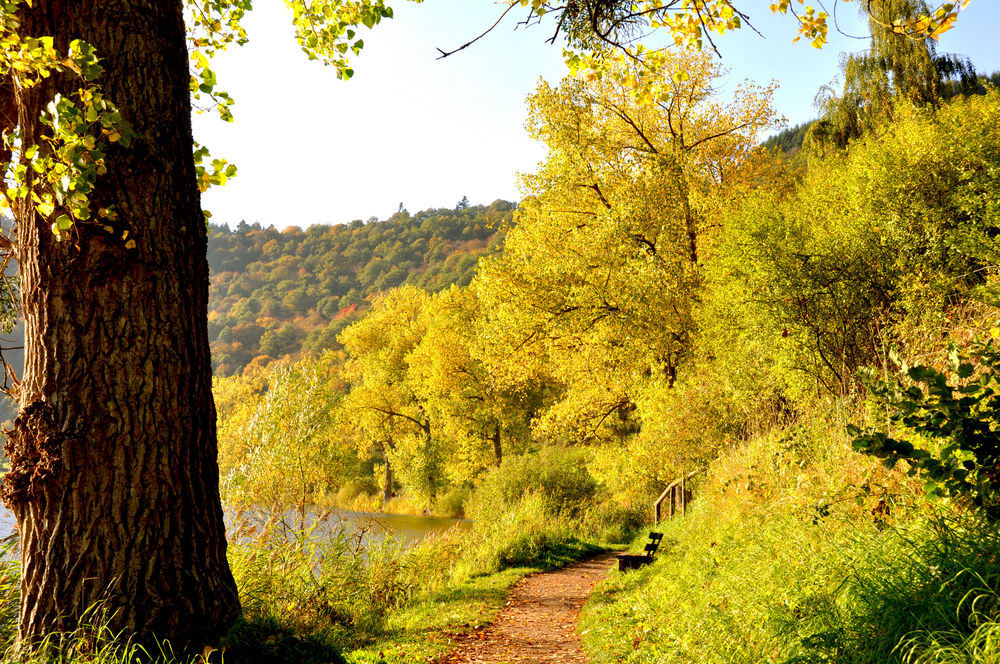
{"type": "Point", "coordinates": [677, 493]}
{"type": "Point", "coordinates": [684, 496]}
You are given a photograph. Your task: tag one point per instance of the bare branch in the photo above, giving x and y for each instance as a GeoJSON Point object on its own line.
{"type": "Point", "coordinates": [445, 54]}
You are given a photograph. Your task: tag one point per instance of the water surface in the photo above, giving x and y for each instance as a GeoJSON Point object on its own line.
{"type": "Point", "coordinates": [368, 526]}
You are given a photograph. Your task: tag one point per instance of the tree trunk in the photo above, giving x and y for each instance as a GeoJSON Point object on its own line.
{"type": "Point", "coordinates": [497, 449]}
{"type": "Point", "coordinates": [387, 489]}
{"type": "Point", "coordinates": [114, 479]}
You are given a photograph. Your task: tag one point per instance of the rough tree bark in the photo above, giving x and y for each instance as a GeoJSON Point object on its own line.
{"type": "Point", "coordinates": [114, 479]}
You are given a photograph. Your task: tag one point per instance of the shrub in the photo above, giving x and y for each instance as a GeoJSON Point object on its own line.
{"type": "Point", "coordinates": [325, 583]}
{"type": "Point", "coordinates": [451, 503]}
{"type": "Point", "coordinates": [959, 421]}
{"type": "Point", "coordinates": [558, 479]}
{"type": "Point", "coordinates": [613, 523]}
{"type": "Point", "coordinates": [354, 488]}
{"type": "Point", "coordinates": [525, 534]}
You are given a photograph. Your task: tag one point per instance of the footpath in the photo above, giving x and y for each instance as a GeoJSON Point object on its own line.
{"type": "Point", "coordinates": [538, 624]}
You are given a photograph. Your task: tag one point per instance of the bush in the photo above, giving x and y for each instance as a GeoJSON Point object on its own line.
{"type": "Point", "coordinates": [613, 523]}
{"type": "Point", "coordinates": [958, 420]}
{"type": "Point", "coordinates": [354, 488]}
{"type": "Point", "coordinates": [558, 479]}
{"type": "Point", "coordinates": [323, 583]}
{"type": "Point", "coordinates": [452, 502]}
{"type": "Point", "coordinates": [523, 535]}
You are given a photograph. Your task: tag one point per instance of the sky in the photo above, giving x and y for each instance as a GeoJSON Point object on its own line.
{"type": "Point", "coordinates": [423, 132]}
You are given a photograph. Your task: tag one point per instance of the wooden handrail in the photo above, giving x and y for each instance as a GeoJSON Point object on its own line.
{"type": "Point", "coordinates": [671, 492]}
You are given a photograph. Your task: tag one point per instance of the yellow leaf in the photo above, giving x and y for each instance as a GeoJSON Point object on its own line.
{"type": "Point", "coordinates": [943, 29]}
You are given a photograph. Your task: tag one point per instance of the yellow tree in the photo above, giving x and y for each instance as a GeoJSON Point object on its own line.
{"type": "Point", "coordinates": [384, 410]}
{"type": "Point", "coordinates": [599, 277]}
{"type": "Point", "coordinates": [477, 418]}
{"type": "Point", "coordinates": [282, 449]}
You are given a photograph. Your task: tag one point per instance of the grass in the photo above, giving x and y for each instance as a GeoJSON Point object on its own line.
{"type": "Point", "coordinates": [428, 624]}
{"type": "Point", "coordinates": [405, 605]}
{"type": "Point", "coordinates": [425, 627]}
{"type": "Point", "coordinates": [312, 595]}
{"type": "Point", "coordinates": [789, 556]}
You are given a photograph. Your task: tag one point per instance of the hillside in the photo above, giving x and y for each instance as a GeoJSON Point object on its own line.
{"type": "Point", "coordinates": [788, 139]}
{"type": "Point", "coordinates": [278, 293]}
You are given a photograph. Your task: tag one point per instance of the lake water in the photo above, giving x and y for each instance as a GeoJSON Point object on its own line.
{"type": "Point", "coordinates": [369, 526]}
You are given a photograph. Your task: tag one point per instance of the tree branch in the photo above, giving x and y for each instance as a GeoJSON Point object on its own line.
{"type": "Point", "coordinates": [445, 54]}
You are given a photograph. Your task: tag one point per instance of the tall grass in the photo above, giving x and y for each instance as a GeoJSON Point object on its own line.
{"type": "Point", "coordinates": [311, 590]}
{"type": "Point", "coordinates": [800, 551]}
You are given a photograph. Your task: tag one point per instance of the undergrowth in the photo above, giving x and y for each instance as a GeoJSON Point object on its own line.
{"type": "Point", "coordinates": [800, 551]}
{"type": "Point", "coordinates": [312, 595]}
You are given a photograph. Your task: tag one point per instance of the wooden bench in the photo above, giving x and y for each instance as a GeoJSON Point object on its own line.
{"type": "Point", "coordinates": [628, 561]}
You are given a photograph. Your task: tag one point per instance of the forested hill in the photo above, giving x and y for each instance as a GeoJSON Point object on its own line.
{"type": "Point", "coordinates": [276, 293]}
{"type": "Point", "coordinates": [789, 139]}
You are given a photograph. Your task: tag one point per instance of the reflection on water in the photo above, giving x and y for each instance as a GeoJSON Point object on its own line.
{"type": "Point", "coordinates": [405, 528]}
{"type": "Point", "coordinates": [369, 527]}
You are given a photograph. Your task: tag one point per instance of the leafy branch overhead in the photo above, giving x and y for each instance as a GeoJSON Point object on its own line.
{"type": "Point", "coordinates": [63, 168]}
{"type": "Point", "coordinates": [328, 30]}
{"type": "Point", "coordinates": [954, 412]}
{"type": "Point", "coordinates": [73, 155]}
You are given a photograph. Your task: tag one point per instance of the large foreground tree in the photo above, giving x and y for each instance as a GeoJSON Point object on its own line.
{"type": "Point", "coordinates": [113, 474]}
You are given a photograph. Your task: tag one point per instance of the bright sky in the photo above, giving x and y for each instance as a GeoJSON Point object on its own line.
{"type": "Point", "coordinates": [411, 129]}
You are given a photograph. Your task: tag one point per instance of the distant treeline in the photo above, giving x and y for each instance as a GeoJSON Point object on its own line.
{"type": "Point", "coordinates": [788, 139]}
{"type": "Point", "coordinates": [278, 293]}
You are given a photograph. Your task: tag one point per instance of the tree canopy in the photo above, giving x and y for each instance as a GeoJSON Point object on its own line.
{"type": "Point", "coordinates": [599, 277]}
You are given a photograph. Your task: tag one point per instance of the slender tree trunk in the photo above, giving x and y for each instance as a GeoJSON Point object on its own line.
{"type": "Point", "coordinates": [497, 449]}
{"type": "Point", "coordinates": [387, 489]}
{"type": "Point", "coordinates": [114, 479]}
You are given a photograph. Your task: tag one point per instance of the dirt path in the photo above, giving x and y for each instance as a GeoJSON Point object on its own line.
{"type": "Point", "coordinates": [539, 622]}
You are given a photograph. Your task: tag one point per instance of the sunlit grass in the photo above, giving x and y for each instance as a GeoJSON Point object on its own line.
{"type": "Point", "coordinates": [787, 558]}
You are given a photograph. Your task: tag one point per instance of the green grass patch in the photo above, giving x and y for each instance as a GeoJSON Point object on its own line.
{"type": "Point", "coordinates": [426, 626]}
